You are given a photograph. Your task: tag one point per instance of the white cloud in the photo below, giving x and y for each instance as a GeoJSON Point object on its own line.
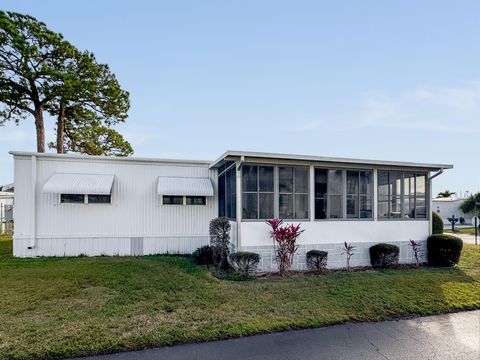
{"type": "Point", "coordinates": [437, 109]}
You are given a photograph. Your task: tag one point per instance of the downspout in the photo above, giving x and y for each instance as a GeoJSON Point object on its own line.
{"type": "Point", "coordinates": [430, 217]}
{"type": "Point", "coordinates": [33, 207]}
{"type": "Point", "coordinates": [238, 190]}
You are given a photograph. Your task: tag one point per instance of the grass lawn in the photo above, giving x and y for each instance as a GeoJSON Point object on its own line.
{"type": "Point", "coordinates": [52, 308]}
{"type": "Point", "coordinates": [466, 230]}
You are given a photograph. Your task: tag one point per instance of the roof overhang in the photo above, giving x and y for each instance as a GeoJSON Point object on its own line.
{"type": "Point", "coordinates": [93, 184]}
{"type": "Point", "coordinates": [184, 186]}
{"type": "Point", "coordinates": [250, 156]}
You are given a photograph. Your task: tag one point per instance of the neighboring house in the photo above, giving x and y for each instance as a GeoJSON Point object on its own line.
{"type": "Point", "coordinates": [6, 211]}
{"type": "Point", "coordinates": [446, 207]}
{"type": "Point", "coordinates": [67, 205]}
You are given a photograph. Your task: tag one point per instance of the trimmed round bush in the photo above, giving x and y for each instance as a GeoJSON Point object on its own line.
{"type": "Point", "coordinates": [203, 255]}
{"type": "Point", "coordinates": [384, 255]}
{"type": "Point", "coordinates": [317, 260]}
{"type": "Point", "coordinates": [437, 224]}
{"type": "Point", "coordinates": [245, 262]}
{"type": "Point", "coordinates": [444, 250]}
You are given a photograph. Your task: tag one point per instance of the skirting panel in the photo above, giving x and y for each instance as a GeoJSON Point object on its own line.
{"type": "Point", "coordinates": [336, 259]}
{"type": "Point", "coordinates": [108, 246]}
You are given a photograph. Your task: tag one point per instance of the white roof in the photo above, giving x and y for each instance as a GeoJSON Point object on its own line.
{"type": "Point", "coordinates": [184, 186]}
{"type": "Point", "coordinates": [95, 184]}
{"type": "Point", "coordinates": [254, 156]}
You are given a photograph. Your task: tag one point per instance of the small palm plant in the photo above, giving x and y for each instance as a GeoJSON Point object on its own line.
{"type": "Point", "coordinates": [348, 250]}
{"type": "Point", "coordinates": [417, 251]}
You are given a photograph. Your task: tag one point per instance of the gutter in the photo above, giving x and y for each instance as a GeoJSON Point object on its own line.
{"type": "Point", "coordinates": [440, 172]}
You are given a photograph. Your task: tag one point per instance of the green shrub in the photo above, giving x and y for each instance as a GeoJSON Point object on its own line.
{"type": "Point", "coordinates": [444, 250]}
{"type": "Point", "coordinates": [245, 262]}
{"type": "Point", "coordinates": [384, 255]}
{"type": "Point", "coordinates": [437, 224]}
{"type": "Point", "coordinates": [203, 255]}
{"type": "Point", "coordinates": [317, 260]}
{"type": "Point", "coordinates": [219, 230]}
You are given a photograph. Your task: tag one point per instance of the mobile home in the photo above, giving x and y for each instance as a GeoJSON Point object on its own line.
{"type": "Point", "coordinates": [67, 205]}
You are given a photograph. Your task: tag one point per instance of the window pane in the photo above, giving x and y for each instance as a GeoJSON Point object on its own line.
{"type": "Point", "coordinates": [266, 205]}
{"type": "Point", "coordinates": [335, 181]}
{"type": "Point", "coordinates": [172, 200]}
{"type": "Point", "coordinates": [250, 206]}
{"type": "Point", "coordinates": [408, 184]}
{"type": "Point", "coordinates": [301, 206]}
{"type": "Point", "coordinates": [366, 182]}
{"type": "Point", "coordinates": [285, 179]}
{"type": "Point", "coordinates": [383, 186]}
{"type": "Point", "coordinates": [221, 196]}
{"type": "Point", "coordinates": [365, 207]}
{"type": "Point", "coordinates": [249, 178]}
{"type": "Point", "coordinates": [301, 179]}
{"type": "Point", "coordinates": [231, 191]}
{"type": "Point", "coordinates": [265, 178]}
{"type": "Point", "coordinates": [383, 209]}
{"type": "Point", "coordinates": [99, 199]}
{"type": "Point", "coordinates": [395, 207]}
{"type": "Point", "coordinates": [408, 211]}
{"type": "Point", "coordinates": [71, 199]}
{"type": "Point", "coordinates": [321, 208]}
{"type": "Point", "coordinates": [420, 186]}
{"type": "Point", "coordinates": [285, 204]}
{"type": "Point", "coordinates": [336, 208]}
{"type": "Point", "coordinates": [196, 200]}
{"type": "Point", "coordinates": [352, 182]}
{"type": "Point", "coordinates": [420, 208]}
{"type": "Point", "coordinates": [321, 176]}
{"type": "Point", "coordinates": [395, 180]}
{"type": "Point", "coordinates": [352, 206]}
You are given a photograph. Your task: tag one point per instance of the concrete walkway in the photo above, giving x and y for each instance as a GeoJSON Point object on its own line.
{"type": "Point", "coordinates": [469, 239]}
{"type": "Point", "coordinates": [452, 336]}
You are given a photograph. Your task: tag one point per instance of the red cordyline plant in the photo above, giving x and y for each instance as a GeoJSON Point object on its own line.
{"type": "Point", "coordinates": [417, 250]}
{"type": "Point", "coordinates": [285, 241]}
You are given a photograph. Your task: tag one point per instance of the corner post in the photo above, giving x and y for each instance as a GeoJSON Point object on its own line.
{"type": "Point", "coordinates": [238, 191]}
{"type": "Point", "coordinates": [33, 207]}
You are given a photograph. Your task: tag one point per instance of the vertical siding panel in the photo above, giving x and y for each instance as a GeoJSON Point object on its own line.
{"type": "Point", "coordinates": [95, 229]}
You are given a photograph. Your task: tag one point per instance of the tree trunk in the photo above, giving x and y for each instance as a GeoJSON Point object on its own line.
{"type": "Point", "coordinates": [61, 129]}
{"type": "Point", "coordinates": [40, 127]}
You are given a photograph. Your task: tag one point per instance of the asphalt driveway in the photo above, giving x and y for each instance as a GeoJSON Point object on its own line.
{"type": "Point", "coordinates": [451, 336]}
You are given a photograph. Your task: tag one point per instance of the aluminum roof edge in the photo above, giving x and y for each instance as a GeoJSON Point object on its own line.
{"type": "Point", "coordinates": [251, 154]}
{"type": "Point", "coordinates": [108, 158]}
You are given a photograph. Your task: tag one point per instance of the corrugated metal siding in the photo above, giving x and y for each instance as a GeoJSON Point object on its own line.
{"type": "Point", "coordinates": [95, 184]}
{"type": "Point", "coordinates": [136, 209]}
{"type": "Point", "coordinates": [168, 185]}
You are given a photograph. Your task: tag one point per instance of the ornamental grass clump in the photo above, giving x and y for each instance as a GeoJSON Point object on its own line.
{"type": "Point", "coordinates": [285, 243]}
{"type": "Point", "coordinates": [317, 260]}
{"type": "Point", "coordinates": [245, 263]}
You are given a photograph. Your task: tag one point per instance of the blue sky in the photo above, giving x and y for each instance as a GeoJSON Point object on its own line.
{"type": "Point", "coordinates": [393, 80]}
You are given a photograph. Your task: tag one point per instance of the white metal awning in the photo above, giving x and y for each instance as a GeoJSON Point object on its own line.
{"type": "Point", "coordinates": [184, 186]}
{"type": "Point", "coordinates": [93, 184]}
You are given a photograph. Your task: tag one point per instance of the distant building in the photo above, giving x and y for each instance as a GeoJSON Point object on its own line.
{"type": "Point", "coordinates": [6, 211]}
{"type": "Point", "coordinates": [446, 207]}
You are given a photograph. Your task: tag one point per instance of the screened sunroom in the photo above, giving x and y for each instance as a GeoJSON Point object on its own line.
{"type": "Point", "coordinates": [335, 200]}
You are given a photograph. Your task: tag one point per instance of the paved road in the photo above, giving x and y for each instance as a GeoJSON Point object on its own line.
{"type": "Point", "coordinates": [452, 336]}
